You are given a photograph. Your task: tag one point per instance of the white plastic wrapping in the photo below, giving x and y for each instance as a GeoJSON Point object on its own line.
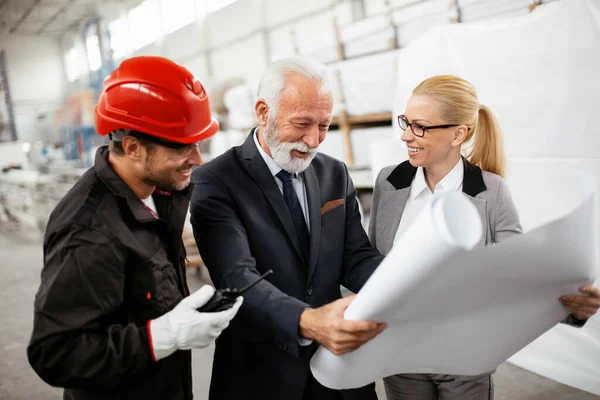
{"type": "Point", "coordinates": [239, 101]}
{"type": "Point", "coordinates": [361, 139]}
{"type": "Point", "coordinates": [367, 83]}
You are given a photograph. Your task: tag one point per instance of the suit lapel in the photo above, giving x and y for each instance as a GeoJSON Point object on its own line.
{"type": "Point", "coordinates": [314, 211]}
{"type": "Point", "coordinates": [262, 176]}
{"type": "Point", "coordinates": [473, 184]}
{"type": "Point", "coordinates": [394, 203]}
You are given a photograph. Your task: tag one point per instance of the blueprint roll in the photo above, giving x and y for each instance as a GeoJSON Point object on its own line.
{"type": "Point", "coordinates": [446, 226]}
{"type": "Point", "coordinates": [446, 302]}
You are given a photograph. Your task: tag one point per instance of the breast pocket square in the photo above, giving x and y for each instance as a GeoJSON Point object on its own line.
{"type": "Point", "coordinates": [330, 205]}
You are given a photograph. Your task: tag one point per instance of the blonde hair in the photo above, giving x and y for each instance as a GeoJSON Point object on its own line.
{"type": "Point", "coordinates": [459, 105]}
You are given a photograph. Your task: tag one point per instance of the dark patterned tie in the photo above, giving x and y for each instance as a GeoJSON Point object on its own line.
{"type": "Point", "coordinates": [291, 199]}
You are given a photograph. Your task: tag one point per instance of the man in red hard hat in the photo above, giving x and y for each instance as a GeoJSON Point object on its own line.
{"type": "Point", "coordinates": [113, 315]}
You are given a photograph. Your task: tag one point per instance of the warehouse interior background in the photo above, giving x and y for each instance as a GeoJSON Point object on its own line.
{"type": "Point", "coordinates": [535, 62]}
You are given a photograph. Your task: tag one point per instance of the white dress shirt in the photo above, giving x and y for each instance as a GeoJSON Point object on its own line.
{"type": "Point", "coordinates": [299, 188]}
{"type": "Point", "coordinates": [149, 203]}
{"type": "Point", "coordinates": [420, 194]}
{"type": "Point", "coordinates": [297, 180]}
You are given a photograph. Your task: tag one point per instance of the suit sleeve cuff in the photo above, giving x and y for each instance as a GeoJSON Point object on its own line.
{"type": "Point", "coordinates": [573, 321]}
{"type": "Point", "coordinates": [304, 341]}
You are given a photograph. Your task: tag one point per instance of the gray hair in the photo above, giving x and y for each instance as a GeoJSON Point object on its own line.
{"type": "Point", "coordinates": [273, 81]}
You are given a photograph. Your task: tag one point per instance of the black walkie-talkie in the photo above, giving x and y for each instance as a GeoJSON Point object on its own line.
{"type": "Point", "coordinates": [225, 298]}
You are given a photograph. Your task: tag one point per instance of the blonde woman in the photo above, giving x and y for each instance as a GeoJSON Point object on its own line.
{"type": "Point", "coordinates": [442, 114]}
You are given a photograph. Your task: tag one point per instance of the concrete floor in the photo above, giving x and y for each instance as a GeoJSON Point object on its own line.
{"type": "Point", "coordinates": [21, 257]}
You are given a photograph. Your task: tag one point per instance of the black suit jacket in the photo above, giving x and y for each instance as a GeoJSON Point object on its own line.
{"type": "Point", "coordinates": [243, 228]}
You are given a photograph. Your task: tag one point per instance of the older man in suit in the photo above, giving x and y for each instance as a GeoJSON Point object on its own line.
{"type": "Point", "coordinates": [275, 203]}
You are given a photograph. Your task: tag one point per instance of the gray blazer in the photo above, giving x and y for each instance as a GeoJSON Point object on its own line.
{"type": "Point", "coordinates": [488, 191]}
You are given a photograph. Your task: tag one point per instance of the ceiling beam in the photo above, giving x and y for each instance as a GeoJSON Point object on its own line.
{"type": "Point", "coordinates": [24, 16]}
{"type": "Point", "coordinates": [50, 20]}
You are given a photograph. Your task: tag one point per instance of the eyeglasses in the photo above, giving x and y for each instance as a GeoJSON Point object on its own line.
{"type": "Point", "coordinates": [419, 130]}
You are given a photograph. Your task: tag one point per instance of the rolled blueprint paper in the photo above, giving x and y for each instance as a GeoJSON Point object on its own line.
{"type": "Point", "coordinates": [451, 310]}
{"type": "Point", "coordinates": [446, 226]}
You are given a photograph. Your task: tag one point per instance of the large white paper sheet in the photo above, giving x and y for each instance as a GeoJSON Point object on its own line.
{"type": "Point", "coordinates": [564, 354]}
{"type": "Point", "coordinates": [455, 311]}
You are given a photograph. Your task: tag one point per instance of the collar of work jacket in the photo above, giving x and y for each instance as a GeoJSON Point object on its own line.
{"type": "Point", "coordinates": [171, 206]}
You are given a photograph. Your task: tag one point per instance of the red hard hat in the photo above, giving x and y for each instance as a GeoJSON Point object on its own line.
{"type": "Point", "coordinates": [158, 97]}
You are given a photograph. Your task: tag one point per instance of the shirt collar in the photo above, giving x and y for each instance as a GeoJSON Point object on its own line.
{"type": "Point", "coordinates": [271, 164]}
{"type": "Point", "coordinates": [452, 181]}
{"type": "Point", "coordinates": [419, 184]}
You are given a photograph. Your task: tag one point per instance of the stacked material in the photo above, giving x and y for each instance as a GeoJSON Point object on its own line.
{"type": "Point", "coordinates": [239, 101]}
{"type": "Point", "coordinates": [418, 17]}
{"type": "Point", "coordinates": [27, 198]}
{"type": "Point", "coordinates": [361, 140]}
{"type": "Point", "coordinates": [367, 84]}
{"type": "Point", "coordinates": [367, 35]}
{"type": "Point", "coordinates": [478, 10]}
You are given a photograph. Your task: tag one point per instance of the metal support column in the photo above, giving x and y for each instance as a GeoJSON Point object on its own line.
{"type": "Point", "coordinates": [8, 131]}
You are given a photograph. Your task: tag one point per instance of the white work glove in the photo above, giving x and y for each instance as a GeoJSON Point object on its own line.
{"type": "Point", "coordinates": [184, 328]}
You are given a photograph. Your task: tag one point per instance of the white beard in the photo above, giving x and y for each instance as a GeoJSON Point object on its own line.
{"type": "Point", "coordinates": [281, 152]}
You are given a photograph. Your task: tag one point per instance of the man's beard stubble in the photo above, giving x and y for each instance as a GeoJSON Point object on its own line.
{"type": "Point", "coordinates": [164, 180]}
